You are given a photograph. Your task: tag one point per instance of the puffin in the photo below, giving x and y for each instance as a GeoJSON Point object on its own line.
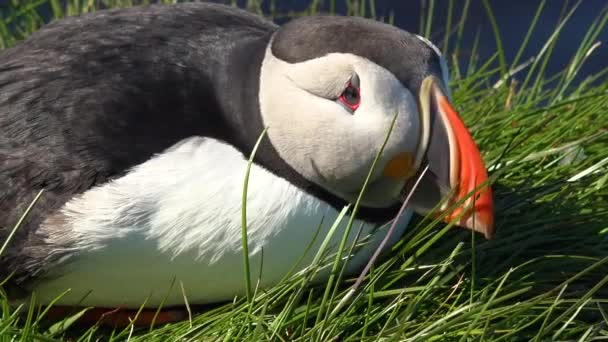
{"type": "Point", "coordinates": [126, 135]}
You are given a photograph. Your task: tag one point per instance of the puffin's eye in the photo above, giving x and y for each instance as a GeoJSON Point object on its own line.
{"type": "Point", "coordinates": [351, 97]}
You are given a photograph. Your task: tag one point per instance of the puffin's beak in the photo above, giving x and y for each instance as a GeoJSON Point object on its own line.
{"type": "Point", "coordinates": [456, 168]}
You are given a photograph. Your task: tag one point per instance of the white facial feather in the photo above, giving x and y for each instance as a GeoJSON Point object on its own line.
{"type": "Point", "coordinates": [325, 142]}
{"type": "Point", "coordinates": [326, 80]}
{"type": "Point", "coordinates": [179, 215]}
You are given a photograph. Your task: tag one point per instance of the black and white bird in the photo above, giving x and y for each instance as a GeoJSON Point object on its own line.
{"type": "Point", "coordinates": [138, 124]}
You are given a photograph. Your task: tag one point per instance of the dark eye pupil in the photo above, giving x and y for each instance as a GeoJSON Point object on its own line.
{"type": "Point", "coordinates": [351, 95]}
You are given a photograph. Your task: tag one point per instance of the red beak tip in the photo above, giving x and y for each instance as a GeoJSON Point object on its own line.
{"type": "Point", "coordinates": [475, 222]}
{"type": "Point", "coordinates": [478, 225]}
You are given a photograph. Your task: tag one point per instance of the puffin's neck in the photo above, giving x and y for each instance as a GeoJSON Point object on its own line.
{"type": "Point", "coordinates": [238, 92]}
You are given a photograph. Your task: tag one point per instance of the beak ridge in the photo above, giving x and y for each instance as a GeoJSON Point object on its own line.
{"type": "Point", "coordinates": [473, 176]}
{"type": "Point", "coordinates": [455, 164]}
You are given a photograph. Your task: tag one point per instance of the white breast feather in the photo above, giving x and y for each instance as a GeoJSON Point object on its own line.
{"type": "Point", "coordinates": [179, 215]}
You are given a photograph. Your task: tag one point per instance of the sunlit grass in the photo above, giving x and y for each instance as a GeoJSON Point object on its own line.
{"type": "Point", "coordinates": [543, 277]}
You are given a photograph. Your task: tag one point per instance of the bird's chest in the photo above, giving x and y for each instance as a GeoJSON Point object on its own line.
{"type": "Point", "coordinates": [173, 227]}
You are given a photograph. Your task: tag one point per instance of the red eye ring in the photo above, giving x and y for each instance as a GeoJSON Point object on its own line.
{"type": "Point", "coordinates": [351, 97]}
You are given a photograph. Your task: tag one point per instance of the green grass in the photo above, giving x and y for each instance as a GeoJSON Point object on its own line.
{"type": "Point", "coordinates": [543, 277]}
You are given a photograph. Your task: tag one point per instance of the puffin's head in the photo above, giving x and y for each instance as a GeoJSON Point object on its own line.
{"type": "Point", "coordinates": [331, 87]}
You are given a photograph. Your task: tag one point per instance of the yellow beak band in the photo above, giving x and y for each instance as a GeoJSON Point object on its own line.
{"type": "Point", "coordinates": [400, 168]}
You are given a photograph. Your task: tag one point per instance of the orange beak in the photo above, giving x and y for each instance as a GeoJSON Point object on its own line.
{"type": "Point", "coordinates": [473, 178]}
{"type": "Point", "coordinates": [455, 164]}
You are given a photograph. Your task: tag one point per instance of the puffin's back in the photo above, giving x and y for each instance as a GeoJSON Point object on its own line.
{"type": "Point", "coordinates": [86, 98]}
